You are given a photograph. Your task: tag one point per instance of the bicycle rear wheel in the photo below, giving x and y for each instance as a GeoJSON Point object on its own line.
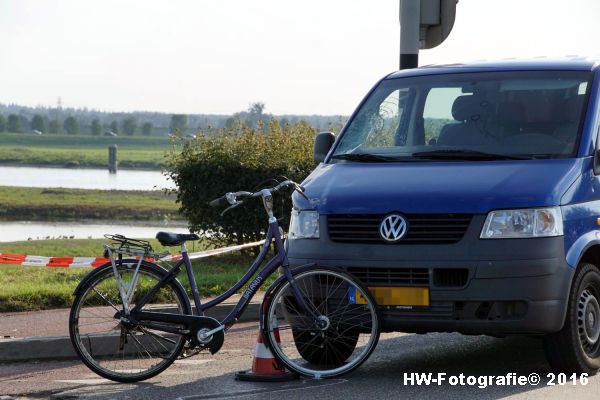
{"type": "Point", "coordinates": [339, 340]}
{"type": "Point", "coordinates": [116, 349]}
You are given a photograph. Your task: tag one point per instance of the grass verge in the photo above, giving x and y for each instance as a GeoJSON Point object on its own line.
{"type": "Point", "coordinates": [43, 204]}
{"type": "Point", "coordinates": [81, 150]}
{"type": "Point", "coordinates": [40, 288]}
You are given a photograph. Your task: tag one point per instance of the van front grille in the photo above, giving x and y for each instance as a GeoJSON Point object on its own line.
{"type": "Point", "coordinates": [422, 228]}
{"type": "Point", "coordinates": [391, 276]}
{"type": "Point", "coordinates": [450, 277]}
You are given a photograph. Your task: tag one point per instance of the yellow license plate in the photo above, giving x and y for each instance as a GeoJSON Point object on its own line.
{"type": "Point", "coordinates": [397, 296]}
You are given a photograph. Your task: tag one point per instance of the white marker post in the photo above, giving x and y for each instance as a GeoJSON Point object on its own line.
{"type": "Point", "coordinates": [424, 24]}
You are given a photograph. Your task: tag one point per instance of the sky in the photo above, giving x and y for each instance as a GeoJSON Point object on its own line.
{"type": "Point", "coordinates": [218, 56]}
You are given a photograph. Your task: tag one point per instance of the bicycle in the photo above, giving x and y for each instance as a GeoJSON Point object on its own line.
{"type": "Point", "coordinates": [132, 318]}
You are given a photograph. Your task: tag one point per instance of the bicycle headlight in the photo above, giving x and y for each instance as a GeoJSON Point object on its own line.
{"type": "Point", "coordinates": [526, 223]}
{"type": "Point", "coordinates": [304, 225]}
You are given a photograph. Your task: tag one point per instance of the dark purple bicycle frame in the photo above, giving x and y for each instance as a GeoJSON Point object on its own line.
{"type": "Point", "coordinates": [279, 260]}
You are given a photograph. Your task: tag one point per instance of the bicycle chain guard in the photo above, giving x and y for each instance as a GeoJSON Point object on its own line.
{"type": "Point", "coordinates": [215, 342]}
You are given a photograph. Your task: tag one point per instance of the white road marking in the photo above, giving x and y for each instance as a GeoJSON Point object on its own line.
{"type": "Point", "coordinates": [128, 371]}
{"type": "Point", "coordinates": [94, 381]}
{"type": "Point", "coordinates": [193, 362]}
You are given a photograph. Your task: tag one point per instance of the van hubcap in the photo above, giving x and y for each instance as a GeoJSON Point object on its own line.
{"type": "Point", "coordinates": [588, 320]}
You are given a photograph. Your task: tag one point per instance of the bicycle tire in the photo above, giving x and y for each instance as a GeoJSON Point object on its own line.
{"type": "Point", "coordinates": [107, 345]}
{"type": "Point", "coordinates": [349, 337]}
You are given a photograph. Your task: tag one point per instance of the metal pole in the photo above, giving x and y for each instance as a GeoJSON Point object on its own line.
{"type": "Point", "coordinates": [410, 16]}
{"type": "Point", "coordinates": [112, 159]}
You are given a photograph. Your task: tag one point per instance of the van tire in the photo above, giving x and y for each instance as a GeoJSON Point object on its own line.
{"type": "Point", "coordinates": [339, 350]}
{"type": "Point", "coordinates": [576, 347]}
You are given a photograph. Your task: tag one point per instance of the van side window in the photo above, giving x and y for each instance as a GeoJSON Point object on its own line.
{"type": "Point", "coordinates": [438, 111]}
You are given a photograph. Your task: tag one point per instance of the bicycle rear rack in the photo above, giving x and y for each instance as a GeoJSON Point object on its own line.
{"type": "Point", "coordinates": [141, 249]}
{"type": "Point", "coordinates": [122, 245]}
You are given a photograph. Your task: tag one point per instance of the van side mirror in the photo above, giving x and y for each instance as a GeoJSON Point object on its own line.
{"type": "Point", "coordinates": [597, 162]}
{"type": "Point", "coordinates": [323, 143]}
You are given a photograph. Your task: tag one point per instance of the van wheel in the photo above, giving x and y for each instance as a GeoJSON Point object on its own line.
{"type": "Point", "coordinates": [576, 347]}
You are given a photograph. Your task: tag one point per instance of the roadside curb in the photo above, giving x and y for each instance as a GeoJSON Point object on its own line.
{"type": "Point", "coordinates": [60, 348]}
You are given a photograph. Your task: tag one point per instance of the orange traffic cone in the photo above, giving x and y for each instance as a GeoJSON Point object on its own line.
{"type": "Point", "coordinates": [265, 367]}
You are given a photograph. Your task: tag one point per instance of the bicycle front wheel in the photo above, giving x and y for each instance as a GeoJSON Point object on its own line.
{"type": "Point", "coordinates": [113, 347]}
{"type": "Point", "coordinates": [340, 338]}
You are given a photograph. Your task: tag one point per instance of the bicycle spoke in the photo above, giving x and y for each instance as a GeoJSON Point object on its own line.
{"type": "Point", "coordinates": [105, 299]}
{"type": "Point", "coordinates": [156, 336]}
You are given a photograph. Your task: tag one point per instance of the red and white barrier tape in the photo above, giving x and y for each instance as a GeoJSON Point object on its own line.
{"type": "Point", "coordinates": [82, 262]}
{"type": "Point", "coordinates": [213, 252]}
{"type": "Point", "coordinates": [41, 261]}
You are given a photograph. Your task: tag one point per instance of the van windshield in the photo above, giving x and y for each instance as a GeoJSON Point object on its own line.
{"type": "Point", "coordinates": [483, 115]}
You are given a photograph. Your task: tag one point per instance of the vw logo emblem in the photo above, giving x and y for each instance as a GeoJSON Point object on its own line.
{"type": "Point", "coordinates": [393, 228]}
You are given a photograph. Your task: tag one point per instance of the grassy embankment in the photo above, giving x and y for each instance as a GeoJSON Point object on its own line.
{"type": "Point", "coordinates": [35, 288]}
{"type": "Point", "coordinates": [43, 204]}
{"type": "Point", "coordinates": [38, 288]}
{"type": "Point", "coordinates": [81, 150]}
{"type": "Point", "coordinates": [32, 288]}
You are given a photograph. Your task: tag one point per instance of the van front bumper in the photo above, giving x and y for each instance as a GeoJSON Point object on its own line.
{"type": "Point", "coordinates": [495, 287]}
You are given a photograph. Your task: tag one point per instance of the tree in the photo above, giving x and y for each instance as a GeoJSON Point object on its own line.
{"type": "Point", "coordinates": [96, 127]}
{"type": "Point", "coordinates": [129, 126]}
{"type": "Point", "coordinates": [53, 126]}
{"type": "Point", "coordinates": [257, 109]}
{"type": "Point", "coordinates": [2, 123]}
{"type": "Point", "coordinates": [13, 124]}
{"type": "Point", "coordinates": [71, 125]}
{"type": "Point", "coordinates": [256, 114]}
{"type": "Point", "coordinates": [23, 123]}
{"type": "Point", "coordinates": [114, 127]}
{"type": "Point", "coordinates": [147, 129]}
{"type": "Point", "coordinates": [233, 124]}
{"type": "Point", "coordinates": [179, 122]}
{"type": "Point", "coordinates": [38, 123]}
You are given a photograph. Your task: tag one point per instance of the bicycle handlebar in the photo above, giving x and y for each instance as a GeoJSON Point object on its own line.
{"type": "Point", "coordinates": [231, 198]}
{"type": "Point", "coordinates": [221, 201]}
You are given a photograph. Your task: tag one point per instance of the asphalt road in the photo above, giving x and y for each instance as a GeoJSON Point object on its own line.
{"type": "Point", "coordinates": [381, 377]}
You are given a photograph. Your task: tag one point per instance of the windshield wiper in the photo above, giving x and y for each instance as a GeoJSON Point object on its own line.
{"type": "Point", "coordinates": [450, 154]}
{"type": "Point", "coordinates": [363, 157]}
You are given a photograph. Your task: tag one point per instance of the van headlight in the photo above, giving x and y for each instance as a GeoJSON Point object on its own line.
{"type": "Point", "coordinates": [526, 223]}
{"type": "Point", "coordinates": [304, 225]}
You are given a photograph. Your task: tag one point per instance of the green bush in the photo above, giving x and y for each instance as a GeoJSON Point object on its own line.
{"type": "Point", "coordinates": [236, 159]}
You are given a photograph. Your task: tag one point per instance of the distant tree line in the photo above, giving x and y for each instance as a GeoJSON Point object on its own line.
{"type": "Point", "coordinates": [18, 123]}
{"type": "Point", "coordinates": [22, 119]}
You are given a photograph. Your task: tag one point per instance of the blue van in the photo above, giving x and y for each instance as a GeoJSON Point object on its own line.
{"type": "Point", "coordinates": [467, 198]}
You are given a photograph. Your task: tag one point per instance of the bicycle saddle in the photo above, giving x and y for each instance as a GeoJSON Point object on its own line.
{"type": "Point", "coordinates": [175, 239]}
